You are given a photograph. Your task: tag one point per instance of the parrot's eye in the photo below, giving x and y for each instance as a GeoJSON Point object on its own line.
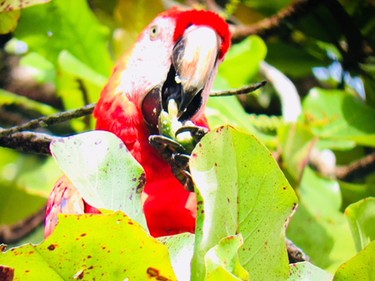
{"type": "Point", "coordinates": [154, 32]}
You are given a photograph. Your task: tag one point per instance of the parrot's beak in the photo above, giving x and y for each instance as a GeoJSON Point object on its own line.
{"type": "Point", "coordinates": [194, 58]}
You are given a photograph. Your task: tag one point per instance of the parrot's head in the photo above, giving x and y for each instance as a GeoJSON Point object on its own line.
{"type": "Point", "coordinates": [176, 57]}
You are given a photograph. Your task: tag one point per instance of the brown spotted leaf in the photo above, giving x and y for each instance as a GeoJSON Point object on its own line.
{"type": "Point", "coordinates": [11, 5]}
{"type": "Point", "coordinates": [92, 247]}
{"type": "Point", "coordinates": [241, 190]}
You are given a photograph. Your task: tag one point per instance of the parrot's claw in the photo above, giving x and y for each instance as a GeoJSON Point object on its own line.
{"type": "Point", "coordinates": [184, 177]}
{"type": "Point", "coordinates": [196, 132]}
{"type": "Point", "coordinates": [181, 160]}
{"type": "Point", "coordinates": [176, 156]}
{"type": "Point", "coordinates": [164, 144]}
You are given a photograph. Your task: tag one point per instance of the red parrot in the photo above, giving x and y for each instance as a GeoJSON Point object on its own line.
{"type": "Point", "coordinates": [175, 57]}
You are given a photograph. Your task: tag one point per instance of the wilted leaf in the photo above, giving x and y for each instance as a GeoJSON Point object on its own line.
{"type": "Point", "coordinates": [103, 170]}
{"type": "Point", "coordinates": [307, 271]}
{"type": "Point", "coordinates": [361, 218]}
{"type": "Point", "coordinates": [241, 190]}
{"type": "Point", "coordinates": [92, 247]}
{"type": "Point", "coordinates": [360, 267]}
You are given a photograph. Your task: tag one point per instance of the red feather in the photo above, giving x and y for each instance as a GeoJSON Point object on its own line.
{"type": "Point", "coordinates": [168, 207]}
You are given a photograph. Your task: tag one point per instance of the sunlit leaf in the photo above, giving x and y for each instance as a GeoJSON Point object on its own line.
{"type": "Point", "coordinates": [307, 271]}
{"type": "Point", "coordinates": [43, 70]}
{"type": "Point", "coordinates": [12, 195]}
{"type": "Point", "coordinates": [181, 248]}
{"type": "Point", "coordinates": [353, 192]}
{"type": "Point", "coordinates": [73, 65]}
{"type": "Point", "coordinates": [103, 170]}
{"type": "Point", "coordinates": [7, 98]}
{"type": "Point", "coordinates": [241, 190]}
{"type": "Point", "coordinates": [222, 261]}
{"type": "Point", "coordinates": [241, 63]}
{"type": "Point", "coordinates": [296, 142]}
{"type": "Point", "coordinates": [133, 17]}
{"type": "Point", "coordinates": [79, 249]}
{"type": "Point", "coordinates": [361, 218]}
{"type": "Point", "coordinates": [318, 226]}
{"type": "Point", "coordinates": [66, 25]}
{"type": "Point", "coordinates": [9, 20]}
{"type": "Point", "coordinates": [360, 267]}
{"type": "Point", "coordinates": [228, 111]}
{"type": "Point", "coordinates": [11, 5]}
{"type": "Point", "coordinates": [73, 69]}
{"type": "Point", "coordinates": [335, 114]}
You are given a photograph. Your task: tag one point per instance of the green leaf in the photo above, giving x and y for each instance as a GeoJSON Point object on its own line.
{"type": "Point", "coordinates": [361, 218]}
{"type": "Point", "coordinates": [241, 189]}
{"type": "Point", "coordinates": [12, 196]}
{"type": "Point", "coordinates": [228, 111]}
{"type": "Point", "coordinates": [296, 142]}
{"type": "Point", "coordinates": [181, 248]}
{"type": "Point", "coordinates": [292, 60]}
{"type": "Point", "coordinates": [335, 114]}
{"type": "Point", "coordinates": [103, 170]}
{"type": "Point", "coordinates": [71, 70]}
{"type": "Point", "coordinates": [318, 221]}
{"type": "Point", "coordinates": [9, 20]}
{"type": "Point", "coordinates": [133, 17]}
{"type": "Point", "coordinates": [73, 65]}
{"type": "Point", "coordinates": [307, 271]}
{"type": "Point", "coordinates": [222, 261]}
{"type": "Point", "coordinates": [241, 63]}
{"type": "Point", "coordinates": [353, 192]}
{"type": "Point", "coordinates": [360, 267]}
{"type": "Point", "coordinates": [78, 249]}
{"type": "Point", "coordinates": [11, 5]}
{"type": "Point", "coordinates": [66, 25]}
{"type": "Point", "coordinates": [7, 98]}
{"type": "Point", "coordinates": [43, 70]}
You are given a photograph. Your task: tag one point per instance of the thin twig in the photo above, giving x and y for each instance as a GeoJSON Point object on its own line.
{"type": "Point", "coordinates": [28, 142]}
{"type": "Point", "coordinates": [49, 120]}
{"type": "Point", "coordinates": [367, 162]}
{"type": "Point", "coordinates": [272, 24]}
{"type": "Point", "coordinates": [240, 91]}
{"type": "Point", "coordinates": [15, 232]}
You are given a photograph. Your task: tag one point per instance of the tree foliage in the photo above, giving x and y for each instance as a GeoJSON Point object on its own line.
{"type": "Point", "coordinates": [294, 159]}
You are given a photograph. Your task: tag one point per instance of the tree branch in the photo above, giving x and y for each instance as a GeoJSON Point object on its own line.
{"type": "Point", "coordinates": [15, 232]}
{"type": "Point", "coordinates": [49, 120]}
{"type": "Point", "coordinates": [365, 163]}
{"type": "Point", "coordinates": [28, 142]}
{"type": "Point", "coordinates": [240, 91]}
{"type": "Point", "coordinates": [272, 24]}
